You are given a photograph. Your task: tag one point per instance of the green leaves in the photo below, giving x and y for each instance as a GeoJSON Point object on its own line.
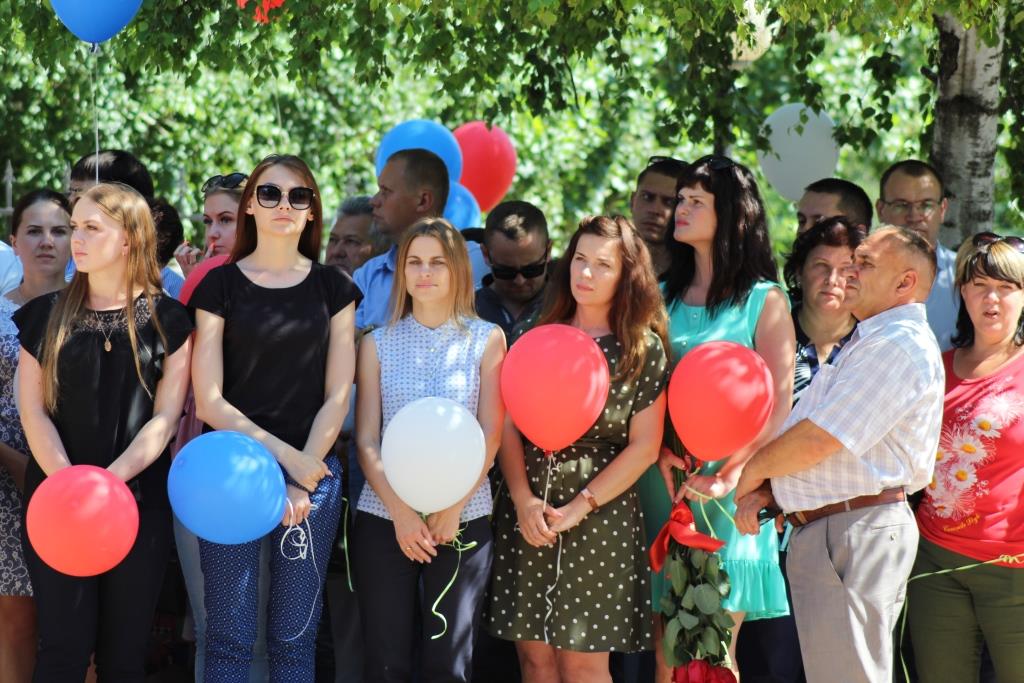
{"type": "Point", "coordinates": [707, 599]}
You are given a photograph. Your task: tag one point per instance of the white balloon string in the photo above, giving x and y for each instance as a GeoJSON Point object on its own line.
{"type": "Point", "coordinates": [553, 465]}
{"type": "Point", "coordinates": [95, 51]}
{"type": "Point", "coordinates": [301, 541]}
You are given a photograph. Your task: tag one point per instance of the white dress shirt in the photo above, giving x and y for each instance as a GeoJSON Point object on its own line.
{"type": "Point", "coordinates": [943, 303]}
{"type": "Point", "coordinates": [883, 401]}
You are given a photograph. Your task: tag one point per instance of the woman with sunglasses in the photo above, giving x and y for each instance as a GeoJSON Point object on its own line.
{"type": "Point", "coordinates": [570, 570]}
{"type": "Point", "coordinates": [40, 236]}
{"type": "Point", "coordinates": [723, 286]}
{"type": "Point", "coordinates": [973, 510]}
{"type": "Point", "coordinates": [102, 375]}
{"type": "Point", "coordinates": [275, 359]}
{"type": "Point", "coordinates": [221, 197]}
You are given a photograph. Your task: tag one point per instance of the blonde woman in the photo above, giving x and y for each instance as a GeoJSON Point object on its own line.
{"type": "Point", "coordinates": [434, 345]}
{"type": "Point", "coordinates": [103, 371]}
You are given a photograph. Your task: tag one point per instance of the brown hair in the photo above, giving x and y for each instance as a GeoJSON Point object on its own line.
{"type": "Point", "coordinates": [637, 305]}
{"type": "Point", "coordinates": [245, 232]}
{"type": "Point", "coordinates": [461, 304]}
{"type": "Point", "coordinates": [128, 208]}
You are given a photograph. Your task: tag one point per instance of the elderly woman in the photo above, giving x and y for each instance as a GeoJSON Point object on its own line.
{"type": "Point", "coordinates": [972, 511]}
{"type": "Point", "coordinates": [814, 275]}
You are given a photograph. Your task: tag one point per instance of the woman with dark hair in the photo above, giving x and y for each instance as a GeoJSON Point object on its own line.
{"type": "Point", "coordinates": [973, 510]}
{"type": "Point", "coordinates": [290, 392]}
{"type": "Point", "coordinates": [41, 237]}
{"type": "Point", "coordinates": [815, 277]}
{"type": "Point", "coordinates": [102, 375]}
{"type": "Point", "coordinates": [570, 579]}
{"type": "Point", "coordinates": [722, 286]}
{"type": "Point", "coordinates": [221, 197]}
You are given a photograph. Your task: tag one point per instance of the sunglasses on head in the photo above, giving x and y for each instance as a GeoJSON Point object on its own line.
{"type": "Point", "coordinates": [983, 239]}
{"type": "Point", "coordinates": [528, 271]}
{"type": "Point", "coordinates": [225, 182]}
{"type": "Point", "coordinates": [269, 196]}
{"type": "Point", "coordinates": [716, 162]}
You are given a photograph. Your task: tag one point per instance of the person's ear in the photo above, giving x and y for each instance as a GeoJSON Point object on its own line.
{"type": "Point", "coordinates": [487, 255]}
{"type": "Point", "coordinates": [907, 283]}
{"type": "Point", "coordinates": [249, 208]}
{"type": "Point", "coordinates": [425, 203]}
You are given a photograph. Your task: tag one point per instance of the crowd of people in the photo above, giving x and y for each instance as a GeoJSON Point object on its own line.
{"type": "Point", "coordinates": [890, 451]}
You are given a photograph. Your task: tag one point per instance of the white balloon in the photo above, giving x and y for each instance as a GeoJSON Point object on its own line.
{"type": "Point", "coordinates": [796, 159]}
{"type": "Point", "coordinates": [433, 453]}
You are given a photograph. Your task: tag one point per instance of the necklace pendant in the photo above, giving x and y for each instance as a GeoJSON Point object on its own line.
{"type": "Point", "coordinates": [106, 345]}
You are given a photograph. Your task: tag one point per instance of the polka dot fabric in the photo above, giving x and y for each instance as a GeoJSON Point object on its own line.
{"type": "Point", "coordinates": [601, 600]}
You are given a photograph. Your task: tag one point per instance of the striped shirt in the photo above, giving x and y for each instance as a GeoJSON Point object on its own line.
{"type": "Point", "coordinates": [883, 401]}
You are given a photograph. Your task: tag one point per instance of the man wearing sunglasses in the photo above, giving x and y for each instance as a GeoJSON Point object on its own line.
{"type": "Point", "coordinates": [653, 203]}
{"type": "Point", "coordinates": [412, 185]}
{"type": "Point", "coordinates": [912, 195]}
{"type": "Point", "coordinates": [517, 249]}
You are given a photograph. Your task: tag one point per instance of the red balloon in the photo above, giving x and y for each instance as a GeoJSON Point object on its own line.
{"type": "Point", "coordinates": [555, 384]}
{"type": "Point", "coordinates": [82, 520]}
{"type": "Point", "coordinates": [719, 398]}
{"type": "Point", "coordinates": [197, 275]}
{"type": "Point", "coordinates": [488, 162]}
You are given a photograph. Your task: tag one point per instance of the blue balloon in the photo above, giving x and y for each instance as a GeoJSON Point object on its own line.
{"type": "Point", "coordinates": [95, 21]}
{"type": "Point", "coordinates": [462, 210]}
{"type": "Point", "coordinates": [422, 134]}
{"type": "Point", "coordinates": [225, 487]}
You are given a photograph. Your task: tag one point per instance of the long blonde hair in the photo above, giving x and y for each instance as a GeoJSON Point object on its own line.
{"type": "Point", "coordinates": [460, 295]}
{"type": "Point", "coordinates": [128, 208]}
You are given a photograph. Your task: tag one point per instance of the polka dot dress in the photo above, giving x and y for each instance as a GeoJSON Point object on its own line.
{"type": "Point", "coordinates": [601, 600]}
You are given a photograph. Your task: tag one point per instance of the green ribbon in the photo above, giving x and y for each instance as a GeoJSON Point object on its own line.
{"type": "Point", "coordinates": [704, 497]}
{"type": "Point", "coordinates": [1008, 559]}
{"type": "Point", "coordinates": [459, 547]}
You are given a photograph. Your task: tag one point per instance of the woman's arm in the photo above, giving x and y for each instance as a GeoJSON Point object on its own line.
{"type": "Point", "coordinates": [411, 533]}
{"type": "Point", "coordinates": [645, 433]}
{"type": "Point", "coordinates": [341, 368]}
{"type": "Point", "coordinates": [43, 440]}
{"type": "Point", "coordinates": [14, 462]}
{"type": "Point", "coordinates": [490, 413]}
{"type": "Point", "coordinates": [168, 402]}
{"type": "Point", "coordinates": [775, 340]}
{"type": "Point", "coordinates": [213, 409]}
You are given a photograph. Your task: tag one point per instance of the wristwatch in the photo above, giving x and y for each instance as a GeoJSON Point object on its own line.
{"type": "Point", "coordinates": [589, 497]}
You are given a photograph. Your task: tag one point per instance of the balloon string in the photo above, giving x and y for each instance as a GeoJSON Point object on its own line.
{"type": "Point", "coordinates": [344, 543]}
{"type": "Point", "coordinates": [460, 547]}
{"type": "Point", "coordinates": [704, 497]}
{"type": "Point", "coordinates": [302, 544]}
{"type": "Point", "coordinates": [1008, 559]}
{"type": "Point", "coordinates": [94, 51]}
{"type": "Point", "coordinates": [549, 458]}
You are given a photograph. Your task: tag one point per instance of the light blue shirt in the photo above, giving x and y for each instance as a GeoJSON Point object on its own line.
{"type": "Point", "coordinates": [943, 304]}
{"type": "Point", "coordinates": [172, 282]}
{"type": "Point", "coordinates": [374, 279]}
{"type": "Point", "coordinates": [10, 269]}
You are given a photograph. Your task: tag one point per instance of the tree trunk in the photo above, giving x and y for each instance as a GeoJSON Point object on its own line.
{"type": "Point", "coordinates": [966, 125]}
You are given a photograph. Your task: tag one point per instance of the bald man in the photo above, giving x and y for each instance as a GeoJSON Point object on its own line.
{"type": "Point", "coordinates": [862, 438]}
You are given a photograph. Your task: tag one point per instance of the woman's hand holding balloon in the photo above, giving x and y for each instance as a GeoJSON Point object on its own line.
{"type": "Point", "coordinates": [532, 523]}
{"type": "Point", "coordinates": [412, 534]}
{"type": "Point", "coordinates": [444, 525]}
{"type": "Point", "coordinates": [569, 515]}
{"type": "Point", "coordinates": [304, 469]}
{"type": "Point", "coordinates": [299, 508]}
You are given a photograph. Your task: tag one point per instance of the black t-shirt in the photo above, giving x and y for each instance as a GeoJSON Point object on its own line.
{"type": "Point", "coordinates": [101, 405]}
{"type": "Point", "coordinates": [275, 343]}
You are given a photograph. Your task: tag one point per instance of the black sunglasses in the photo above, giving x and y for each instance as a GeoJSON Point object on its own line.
{"type": "Point", "coordinates": [528, 271]}
{"type": "Point", "coordinates": [225, 182]}
{"type": "Point", "coordinates": [269, 196]}
{"type": "Point", "coordinates": [716, 162]}
{"type": "Point", "coordinates": [987, 238]}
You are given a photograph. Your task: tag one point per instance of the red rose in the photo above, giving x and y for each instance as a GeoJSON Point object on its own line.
{"type": "Point", "coordinates": [699, 671]}
{"type": "Point", "coordinates": [720, 674]}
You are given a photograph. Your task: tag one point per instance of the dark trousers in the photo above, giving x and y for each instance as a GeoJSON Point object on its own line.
{"type": "Point", "coordinates": [110, 614]}
{"type": "Point", "coordinates": [768, 650]}
{"type": "Point", "coordinates": [395, 592]}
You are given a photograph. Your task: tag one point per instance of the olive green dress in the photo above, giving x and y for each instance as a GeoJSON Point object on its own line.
{"type": "Point", "coordinates": [591, 594]}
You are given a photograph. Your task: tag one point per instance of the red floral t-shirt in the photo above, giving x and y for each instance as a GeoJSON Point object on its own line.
{"type": "Point", "coordinates": [973, 504]}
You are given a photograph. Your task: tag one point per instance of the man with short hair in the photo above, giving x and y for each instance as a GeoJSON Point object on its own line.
{"type": "Point", "coordinates": [861, 439]}
{"type": "Point", "coordinates": [652, 205]}
{"type": "Point", "coordinates": [912, 195]}
{"type": "Point", "coordinates": [833, 198]}
{"type": "Point", "coordinates": [110, 165]}
{"type": "Point", "coordinates": [412, 185]}
{"type": "Point", "coordinates": [354, 238]}
{"type": "Point", "coordinates": [517, 249]}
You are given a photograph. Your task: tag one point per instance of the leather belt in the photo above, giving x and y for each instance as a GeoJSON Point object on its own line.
{"type": "Point", "coordinates": [887, 496]}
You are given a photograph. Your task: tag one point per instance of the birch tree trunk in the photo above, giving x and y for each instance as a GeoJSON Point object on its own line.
{"type": "Point", "coordinates": [966, 126]}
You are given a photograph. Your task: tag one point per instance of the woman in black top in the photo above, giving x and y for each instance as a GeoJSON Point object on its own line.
{"type": "Point", "coordinates": [275, 358]}
{"type": "Point", "coordinates": [102, 376]}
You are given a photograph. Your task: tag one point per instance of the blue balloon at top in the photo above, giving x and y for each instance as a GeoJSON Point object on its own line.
{"type": "Point", "coordinates": [422, 134]}
{"type": "Point", "coordinates": [462, 209]}
{"type": "Point", "coordinates": [95, 21]}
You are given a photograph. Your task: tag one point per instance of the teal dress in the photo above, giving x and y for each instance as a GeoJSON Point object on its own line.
{"type": "Point", "coordinates": [752, 562]}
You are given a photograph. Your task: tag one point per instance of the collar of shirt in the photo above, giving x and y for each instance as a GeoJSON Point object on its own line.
{"type": "Point", "coordinates": [880, 320]}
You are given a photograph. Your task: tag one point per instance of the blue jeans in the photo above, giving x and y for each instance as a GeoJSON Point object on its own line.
{"type": "Point", "coordinates": [187, 544]}
{"type": "Point", "coordinates": [231, 592]}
